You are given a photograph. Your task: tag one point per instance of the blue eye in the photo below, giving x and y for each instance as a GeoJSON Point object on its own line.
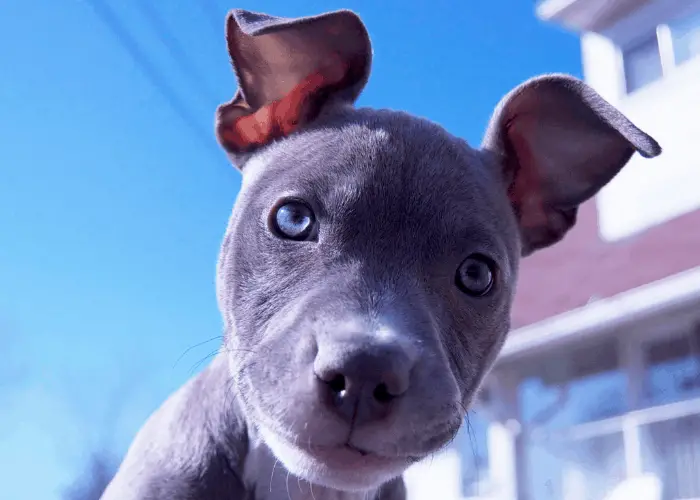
{"type": "Point", "coordinates": [293, 220]}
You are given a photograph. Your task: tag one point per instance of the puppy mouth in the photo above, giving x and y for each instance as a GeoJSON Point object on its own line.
{"type": "Point", "coordinates": [343, 455]}
{"type": "Point", "coordinates": [350, 451]}
{"type": "Point", "coordinates": [360, 451]}
{"type": "Point", "coordinates": [342, 466]}
{"type": "Point", "coordinates": [348, 465]}
{"type": "Point", "coordinates": [349, 456]}
{"type": "Point", "coordinates": [347, 449]}
{"type": "Point", "coordinates": [371, 454]}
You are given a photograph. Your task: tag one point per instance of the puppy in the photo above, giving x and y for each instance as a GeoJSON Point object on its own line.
{"type": "Point", "coordinates": [366, 275]}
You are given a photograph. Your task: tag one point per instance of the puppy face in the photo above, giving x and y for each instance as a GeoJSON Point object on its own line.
{"type": "Point", "coordinates": [411, 248]}
{"type": "Point", "coordinates": [369, 265]}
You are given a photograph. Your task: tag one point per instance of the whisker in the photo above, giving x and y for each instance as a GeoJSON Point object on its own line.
{"type": "Point", "coordinates": [195, 346]}
{"type": "Point", "coordinates": [289, 495]}
{"type": "Point", "coordinates": [475, 453]}
{"type": "Point", "coordinates": [273, 472]}
{"type": "Point", "coordinates": [199, 363]}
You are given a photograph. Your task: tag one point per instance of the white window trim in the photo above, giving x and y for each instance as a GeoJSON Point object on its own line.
{"type": "Point", "coordinates": [612, 425]}
{"type": "Point", "coordinates": [641, 23]}
{"type": "Point", "coordinates": [652, 18]}
{"type": "Point", "coordinates": [666, 53]}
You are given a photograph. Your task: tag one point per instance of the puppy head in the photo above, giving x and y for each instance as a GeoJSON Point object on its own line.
{"type": "Point", "coordinates": [369, 265]}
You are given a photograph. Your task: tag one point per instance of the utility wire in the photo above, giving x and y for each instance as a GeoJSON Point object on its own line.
{"type": "Point", "coordinates": [216, 23]}
{"type": "Point", "coordinates": [111, 20]}
{"type": "Point", "coordinates": [177, 52]}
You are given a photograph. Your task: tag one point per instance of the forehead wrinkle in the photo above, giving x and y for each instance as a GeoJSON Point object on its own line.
{"type": "Point", "coordinates": [395, 173]}
{"type": "Point", "coordinates": [398, 179]}
{"type": "Point", "coordinates": [348, 174]}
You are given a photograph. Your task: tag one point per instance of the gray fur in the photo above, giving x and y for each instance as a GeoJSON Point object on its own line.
{"type": "Point", "coordinates": [399, 203]}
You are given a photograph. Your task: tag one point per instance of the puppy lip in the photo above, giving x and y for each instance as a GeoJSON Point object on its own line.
{"type": "Point", "coordinates": [343, 448]}
{"type": "Point", "coordinates": [361, 451]}
{"type": "Point", "coordinates": [355, 452]}
{"type": "Point", "coordinates": [366, 453]}
{"type": "Point", "coordinates": [322, 451]}
{"type": "Point", "coordinates": [350, 455]}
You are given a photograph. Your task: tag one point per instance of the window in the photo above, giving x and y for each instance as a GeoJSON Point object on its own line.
{"type": "Point", "coordinates": [685, 34]}
{"type": "Point", "coordinates": [671, 370]}
{"type": "Point", "coordinates": [595, 413]}
{"type": "Point", "coordinates": [642, 64]}
{"type": "Point", "coordinates": [571, 389]}
{"type": "Point", "coordinates": [671, 450]}
{"type": "Point", "coordinates": [671, 446]}
{"type": "Point", "coordinates": [643, 60]}
{"type": "Point", "coordinates": [564, 469]}
{"type": "Point", "coordinates": [577, 386]}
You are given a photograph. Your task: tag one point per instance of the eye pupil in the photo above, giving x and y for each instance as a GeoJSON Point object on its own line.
{"type": "Point", "coordinates": [293, 220]}
{"type": "Point", "coordinates": [475, 276]}
{"type": "Point", "coordinates": [474, 272]}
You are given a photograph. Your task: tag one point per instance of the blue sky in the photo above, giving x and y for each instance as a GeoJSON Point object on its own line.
{"type": "Point", "coordinates": [114, 195]}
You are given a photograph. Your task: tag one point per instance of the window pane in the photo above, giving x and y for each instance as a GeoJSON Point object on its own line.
{"type": "Point", "coordinates": [671, 370]}
{"type": "Point", "coordinates": [574, 386]}
{"type": "Point", "coordinates": [544, 464]}
{"type": "Point", "coordinates": [686, 37]}
{"type": "Point", "coordinates": [642, 64]}
{"type": "Point", "coordinates": [671, 450]}
{"type": "Point", "coordinates": [575, 470]}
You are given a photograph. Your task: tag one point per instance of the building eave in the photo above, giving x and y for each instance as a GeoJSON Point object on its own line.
{"type": "Point", "coordinates": [675, 291]}
{"type": "Point", "coordinates": [586, 15]}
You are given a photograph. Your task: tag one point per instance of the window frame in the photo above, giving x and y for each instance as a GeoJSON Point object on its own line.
{"type": "Point", "coordinates": [632, 49]}
{"type": "Point", "coordinates": [687, 16]}
{"type": "Point", "coordinates": [631, 424]}
{"type": "Point", "coordinates": [654, 19]}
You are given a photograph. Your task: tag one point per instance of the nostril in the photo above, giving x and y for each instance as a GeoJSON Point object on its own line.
{"type": "Point", "coordinates": [337, 383]}
{"type": "Point", "coordinates": [381, 393]}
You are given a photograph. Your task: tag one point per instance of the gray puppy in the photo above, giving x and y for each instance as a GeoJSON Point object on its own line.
{"type": "Point", "coordinates": [367, 272]}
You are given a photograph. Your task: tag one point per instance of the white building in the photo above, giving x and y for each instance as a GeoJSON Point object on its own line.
{"type": "Point", "coordinates": [599, 383]}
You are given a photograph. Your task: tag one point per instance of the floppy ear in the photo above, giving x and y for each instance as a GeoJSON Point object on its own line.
{"type": "Point", "coordinates": [559, 143]}
{"type": "Point", "coordinates": [287, 70]}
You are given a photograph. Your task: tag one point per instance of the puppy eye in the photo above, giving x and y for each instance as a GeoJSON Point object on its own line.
{"type": "Point", "coordinates": [476, 275]}
{"type": "Point", "coordinates": [293, 220]}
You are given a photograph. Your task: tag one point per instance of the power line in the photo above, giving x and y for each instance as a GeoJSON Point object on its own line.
{"type": "Point", "coordinates": [111, 20]}
{"type": "Point", "coordinates": [216, 23]}
{"type": "Point", "coordinates": [177, 52]}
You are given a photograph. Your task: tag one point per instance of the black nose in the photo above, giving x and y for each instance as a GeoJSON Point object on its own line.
{"type": "Point", "coordinates": [362, 385]}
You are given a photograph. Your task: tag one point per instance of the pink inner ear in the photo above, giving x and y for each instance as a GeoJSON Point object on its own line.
{"type": "Point", "coordinates": [283, 116]}
{"type": "Point", "coordinates": [525, 192]}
